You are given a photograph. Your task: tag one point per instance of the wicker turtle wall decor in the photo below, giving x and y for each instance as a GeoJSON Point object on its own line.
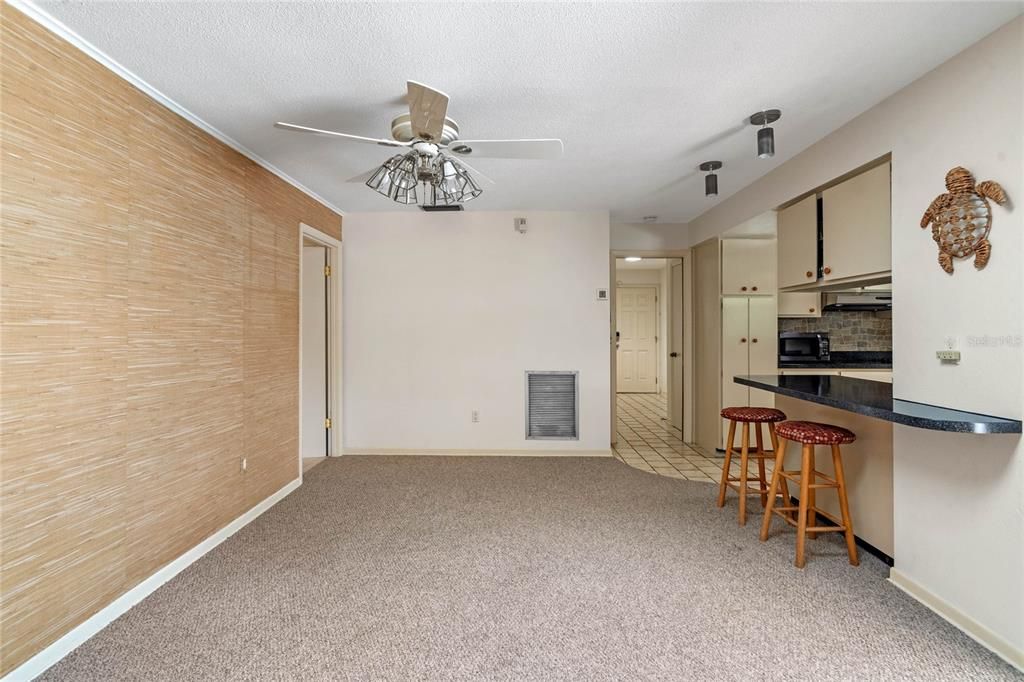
{"type": "Point", "coordinates": [962, 218]}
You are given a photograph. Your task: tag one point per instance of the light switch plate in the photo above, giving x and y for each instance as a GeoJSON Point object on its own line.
{"type": "Point", "coordinates": [602, 294]}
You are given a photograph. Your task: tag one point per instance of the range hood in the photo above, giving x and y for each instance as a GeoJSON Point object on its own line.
{"type": "Point", "coordinates": [847, 302]}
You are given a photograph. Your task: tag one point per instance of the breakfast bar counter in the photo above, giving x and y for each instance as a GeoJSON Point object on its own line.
{"type": "Point", "coordinates": [874, 399]}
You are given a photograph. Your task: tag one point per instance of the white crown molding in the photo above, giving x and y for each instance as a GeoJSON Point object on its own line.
{"type": "Point", "coordinates": [46, 20]}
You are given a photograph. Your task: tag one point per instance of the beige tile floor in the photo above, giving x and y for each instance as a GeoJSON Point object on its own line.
{"type": "Point", "coordinates": [646, 441]}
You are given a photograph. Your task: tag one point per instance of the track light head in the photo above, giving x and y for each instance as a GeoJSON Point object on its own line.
{"type": "Point", "coordinates": [711, 179]}
{"type": "Point", "coordinates": [766, 135]}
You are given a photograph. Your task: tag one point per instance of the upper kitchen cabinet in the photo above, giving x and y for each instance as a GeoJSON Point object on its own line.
{"type": "Point", "coordinates": [798, 243]}
{"type": "Point", "coordinates": [748, 267]}
{"type": "Point", "coordinates": [800, 304]}
{"type": "Point", "coordinates": [856, 227]}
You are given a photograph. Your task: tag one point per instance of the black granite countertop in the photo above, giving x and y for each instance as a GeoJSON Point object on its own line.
{"type": "Point", "coordinates": [841, 359]}
{"type": "Point", "coordinates": [874, 399]}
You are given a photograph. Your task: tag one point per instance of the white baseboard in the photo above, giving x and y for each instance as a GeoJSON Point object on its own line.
{"type": "Point", "coordinates": [49, 656]}
{"type": "Point", "coordinates": [975, 630]}
{"type": "Point", "coordinates": [479, 453]}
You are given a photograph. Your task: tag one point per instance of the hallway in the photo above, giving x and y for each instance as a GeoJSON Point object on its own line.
{"type": "Point", "coordinates": [646, 441]}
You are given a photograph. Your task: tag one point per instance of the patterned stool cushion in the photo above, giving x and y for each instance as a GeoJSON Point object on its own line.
{"type": "Point", "coordinates": [813, 433]}
{"type": "Point", "coordinates": [753, 414]}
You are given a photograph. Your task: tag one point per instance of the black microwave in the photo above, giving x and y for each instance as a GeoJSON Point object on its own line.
{"type": "Point", "coordinates": [803, 347]}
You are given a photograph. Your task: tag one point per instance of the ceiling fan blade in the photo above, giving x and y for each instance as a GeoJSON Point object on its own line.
{"type": "Point", "coordinates": [474, 171]}
{"type": "Point", "coordinates": [343, 136]}
{"type": "Point", "coordinates": [507, 149]}
{"type": "Point", "coordinates": [427, 110]}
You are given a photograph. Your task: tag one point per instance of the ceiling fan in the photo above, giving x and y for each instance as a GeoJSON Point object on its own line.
{"type": "Point", "coordinates": [436, 155]}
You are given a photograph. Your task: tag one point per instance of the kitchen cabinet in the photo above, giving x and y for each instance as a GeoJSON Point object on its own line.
{"type": "Point", "coordinates": [748, 267]}
{"type": "Point", "coordinates": [856, 226]}
{"type": "Point", "coordinates": [800, 304]}
{"type": "Point", "coordinates": [749, 346]}
{"type": "Point", "coordinates": [798, 243]}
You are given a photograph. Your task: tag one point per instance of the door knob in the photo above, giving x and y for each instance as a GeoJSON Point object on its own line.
{"type": "Point", "coordinates": [673, 355]}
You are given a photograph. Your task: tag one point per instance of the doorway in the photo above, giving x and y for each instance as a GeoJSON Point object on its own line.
{"type": "Point", "coordinates": [319, 352]}
{"type": "Point", "coordinates": [648, 375]}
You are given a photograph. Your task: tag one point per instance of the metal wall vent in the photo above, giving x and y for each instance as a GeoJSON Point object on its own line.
{"type": "Point", "coordinates": [552, 405]}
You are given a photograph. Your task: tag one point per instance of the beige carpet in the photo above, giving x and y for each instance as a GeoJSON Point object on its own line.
{"type": "Point", "coordinates": [439, 568]}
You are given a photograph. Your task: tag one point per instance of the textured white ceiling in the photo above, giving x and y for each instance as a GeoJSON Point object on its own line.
{"type": "Point", "coordinates": [640, 93]}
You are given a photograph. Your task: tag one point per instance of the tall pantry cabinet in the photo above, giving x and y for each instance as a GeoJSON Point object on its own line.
{"type": "Point", "coordinates": [749, 331]}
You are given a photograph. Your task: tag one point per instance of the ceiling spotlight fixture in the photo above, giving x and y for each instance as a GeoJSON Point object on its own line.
{"type": "Point", "coordinates": [633, 259]}
{"type": "Point", "coordinates": [765, 135]}
{"type": "Point", "coordinates": [710, 180]}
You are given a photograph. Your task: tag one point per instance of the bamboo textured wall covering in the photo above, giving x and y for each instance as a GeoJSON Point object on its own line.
{"type": "Point", "coordinates": [150, 335]}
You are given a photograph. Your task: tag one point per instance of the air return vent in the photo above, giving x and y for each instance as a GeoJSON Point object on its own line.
{"type": "Point", "coordinates": [552, 405]}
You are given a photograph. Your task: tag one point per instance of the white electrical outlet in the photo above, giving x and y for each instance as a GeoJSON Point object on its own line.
{"type": "Point", "coordinates": [475, 416]}
{"type": "Point", "coordinates": [948, 355]}
{"type": "Point", "coordinates": [245, 464]}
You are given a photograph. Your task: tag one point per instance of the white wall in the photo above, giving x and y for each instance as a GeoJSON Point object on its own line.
{"type": "Point", "coordinates": [444, 312]}
{"type": "Point", "coordinates": [657, 277]}
{"type": "Point", "coordinates": [959, 499]}
{"type": "Point", "coordinates": [649, 236]}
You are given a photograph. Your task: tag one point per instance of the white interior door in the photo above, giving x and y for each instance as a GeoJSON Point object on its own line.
{"type": "Point", "coordinates": [637, 358]}
{"type": "Point", "coordinates": [314, 352]}
{"type": "Point", "coordinates": [675, 359]}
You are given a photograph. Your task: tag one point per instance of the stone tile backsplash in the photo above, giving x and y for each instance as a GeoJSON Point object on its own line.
{"type": "Point", "coordinates": [861, 330]}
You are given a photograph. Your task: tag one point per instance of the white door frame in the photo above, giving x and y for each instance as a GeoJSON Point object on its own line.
{"type": "Point", "coordinates": [683, 254]}
{"type": "Point", "coordinates": [333, 247]}
{"type": "Point", "coordinates": [657, 328]}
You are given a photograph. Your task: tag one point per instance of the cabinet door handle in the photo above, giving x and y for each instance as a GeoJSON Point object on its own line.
{"type": "Point", "coordinates": [827, 270]}
{"type": "Point", "coordinates": [753, 340]}
{"type": "Point", "coordinates": [743, 288]}
{"type": "Point", "coordinates": [809, 273]}
{"type": "Point", "coordinates": [753, 288]}
{"type": "Point", "coordinates": [743, 340]}
{"type": "Point", "coordinates": [810, 310]}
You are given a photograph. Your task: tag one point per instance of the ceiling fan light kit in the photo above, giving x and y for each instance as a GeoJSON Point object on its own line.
{"type": "Point", "coordinates": [766, 134]}
{"type": "Point", "coordinates": [427, 132]}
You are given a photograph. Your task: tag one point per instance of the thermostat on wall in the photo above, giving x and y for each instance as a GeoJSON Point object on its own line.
{"type": "Point", "coordinates": [602, 294]}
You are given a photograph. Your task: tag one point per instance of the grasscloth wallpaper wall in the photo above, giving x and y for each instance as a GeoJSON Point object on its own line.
{"type": "Point", "coordinates": [150, 336]}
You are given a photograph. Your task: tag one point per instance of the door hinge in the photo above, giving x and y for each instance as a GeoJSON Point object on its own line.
{"type": "Point", "coordinates": [327, 271]}
{"type": "Point", "coordinates": [327, 423]}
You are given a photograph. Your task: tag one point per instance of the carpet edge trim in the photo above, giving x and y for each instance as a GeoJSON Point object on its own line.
{"type": "Point", "coordinates": [51, 655]}
{"type": "Point", "coordinates": [477, 453]}
{"type": "Point", "coordinates": [980, 633]}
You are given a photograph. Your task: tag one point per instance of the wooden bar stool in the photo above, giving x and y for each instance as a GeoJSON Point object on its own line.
{"type": "Point", "coordinates": [810, 434]}
{"type": "Point", "coordinates": [747, 416]}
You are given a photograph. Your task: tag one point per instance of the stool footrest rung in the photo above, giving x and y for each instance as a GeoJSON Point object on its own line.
{"type": "Point", "coordinates": [794, 475]}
